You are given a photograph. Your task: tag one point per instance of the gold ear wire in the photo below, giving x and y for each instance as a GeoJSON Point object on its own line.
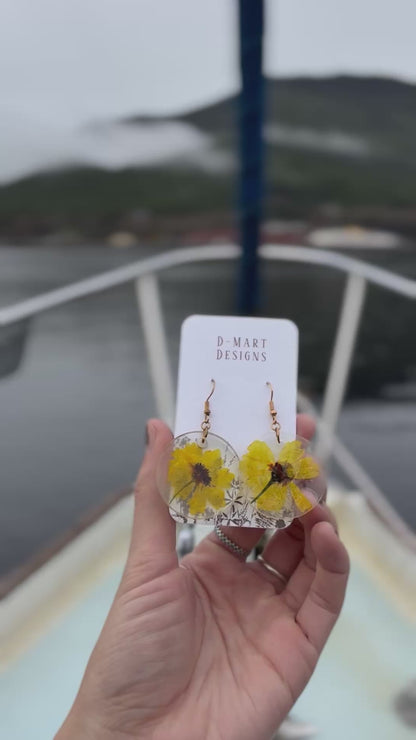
{"type": "Point", "coordinates": [206, 424]}
{"type": "Point", "coordinates": [273, 413]}
{"type": "Point", "coordinates": [212, 390]}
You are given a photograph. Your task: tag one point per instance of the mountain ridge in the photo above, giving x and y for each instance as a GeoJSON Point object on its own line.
{"type": "Point", "coordinates": [272, 84]}
{"type": "Point", "coordinates": [372, 183]}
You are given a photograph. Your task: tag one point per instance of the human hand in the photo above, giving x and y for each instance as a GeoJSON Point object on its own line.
{"type": "Point", "coordinates": [214, 648]}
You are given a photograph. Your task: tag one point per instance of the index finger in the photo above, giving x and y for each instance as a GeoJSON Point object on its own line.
{"type": "Point", "coordinates": [305, 426]}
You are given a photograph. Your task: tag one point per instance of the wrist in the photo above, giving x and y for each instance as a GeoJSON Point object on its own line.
{"type": "Point", "coordinates": [81, 725]}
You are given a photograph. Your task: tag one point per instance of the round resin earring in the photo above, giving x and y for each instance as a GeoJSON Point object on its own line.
{"type": "Point", "coordinates": [198, 475]}
{"type": "Point", "coordinates": [281, 481]}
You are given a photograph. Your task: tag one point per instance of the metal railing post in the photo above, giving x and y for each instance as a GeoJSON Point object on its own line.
{"type": "Point", "coordinates": [341, 360]}
{"type": "Point", "coordinates": [142, 273]}
{"type": "Point", "coordinates": [365, 484]}
{"type": "Point", "coordinates": [150, 310]}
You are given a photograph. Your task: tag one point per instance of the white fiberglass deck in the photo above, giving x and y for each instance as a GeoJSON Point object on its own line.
{"type": "Point", "coordinates": [369, 657]}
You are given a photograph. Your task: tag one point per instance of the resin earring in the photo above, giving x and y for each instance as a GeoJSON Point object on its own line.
{"type": "Point", "coordinates": [281, 481]}
{"type": "Point", "coordinates": [198, 475]}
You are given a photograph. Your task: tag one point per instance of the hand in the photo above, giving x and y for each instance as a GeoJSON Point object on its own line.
{"type": "Point", "coordinates": [214, 648]}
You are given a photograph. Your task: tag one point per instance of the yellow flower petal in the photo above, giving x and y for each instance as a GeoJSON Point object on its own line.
{"type": "Point", "coordinates": [187, 484]}
{"type": "Point", "coordinates": [179, 470]}
{"type": "Point", "coordinates": [261, 452]}
{"type": "Point", "coordinates": [212, 460]}
{"type": "Point", "coordinates": [273, 499]}
{"type": "Point", "coordinates": [191, 453]}
{"type": "Point", "coordinates": [301, 501]}
{"type": "Point", "coordinates": [223, 479]}
{"type": "Point", "coordinates": [179, 476]}
{"type": "Point", "coordinates": [291, 453]}
{"type": "Point", "coordinates": [180, 465]}
{"type": "Point", "coordinates": [254, 465]}
{"type": "Point", "coordinates": [215, 497]}
{"type": "Point", "coordinates": [198, 502]}
{"type": "Point", "coordinates": [307, 468]}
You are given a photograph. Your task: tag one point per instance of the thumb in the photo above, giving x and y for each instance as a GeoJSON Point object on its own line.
{"type": "Point", "coordinates": [153, 541]}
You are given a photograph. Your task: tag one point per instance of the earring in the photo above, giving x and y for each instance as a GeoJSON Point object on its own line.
{"type": "Point", "coordinates": [281, 481]}
{"type": "Point", "coordinates": [198, 474]}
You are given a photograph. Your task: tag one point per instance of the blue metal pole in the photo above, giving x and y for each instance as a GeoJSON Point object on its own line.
{"type": "Point", "coordinates": [251, 23]}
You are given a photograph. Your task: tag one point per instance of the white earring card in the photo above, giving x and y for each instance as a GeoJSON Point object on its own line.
{"type": "Point", "coordinates": [229, 464]}
{"type": "Point", "coordinates": [242, 355]}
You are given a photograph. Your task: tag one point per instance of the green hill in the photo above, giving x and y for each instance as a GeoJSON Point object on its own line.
{"type": "Point", "coordinates": [337, 149]}
{"type": "Point", "coordinates": [382, 111]}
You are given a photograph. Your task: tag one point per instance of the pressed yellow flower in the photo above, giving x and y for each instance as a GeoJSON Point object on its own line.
{"type": "Point", "coordinates": [198, 477]}
{"type": "Point", "coordinates": [273, 482]}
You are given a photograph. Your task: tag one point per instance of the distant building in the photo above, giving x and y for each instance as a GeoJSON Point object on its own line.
{"type": "Point", "coordinates": [353, 237]}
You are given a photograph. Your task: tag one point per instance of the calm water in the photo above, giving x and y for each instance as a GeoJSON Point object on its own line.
{"type": "Point", "coordinates": [72, 417]}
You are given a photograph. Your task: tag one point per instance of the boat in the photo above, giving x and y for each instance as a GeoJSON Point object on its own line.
{"type": "Point", "coordinates": [52, 612]}
{"type": "Point", "coordinates": [51, 615]}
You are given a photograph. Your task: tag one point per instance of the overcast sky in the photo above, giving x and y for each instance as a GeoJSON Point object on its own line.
{"type": "Point", "coordinates": [72, 60]}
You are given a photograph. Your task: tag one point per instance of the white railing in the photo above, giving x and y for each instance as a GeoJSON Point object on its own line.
{"type": "Point", "coordinates": [144, 275]}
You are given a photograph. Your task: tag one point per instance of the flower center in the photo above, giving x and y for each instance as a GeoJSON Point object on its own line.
{"type": "Point", "coordinates": [279, 472]}
{"type": "Point", "coordinates": [200, 475]}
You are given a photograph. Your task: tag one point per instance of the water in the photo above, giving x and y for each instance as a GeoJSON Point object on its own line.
{"type": "Point", "coordinates": [73, 416]}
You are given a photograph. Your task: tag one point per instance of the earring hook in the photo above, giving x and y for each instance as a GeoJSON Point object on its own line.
{"type": "Point", "coordinates": [212, 390]}
{"type": "Point", "coordinates": [205, 426]}
{"type": "Point", "coordinates": [273, 413]}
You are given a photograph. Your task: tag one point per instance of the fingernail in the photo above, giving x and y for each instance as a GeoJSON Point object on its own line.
{"type": "Point", "coordinates": [146, 435]}
{"type": "Point", "coordinates": [150, 434]}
